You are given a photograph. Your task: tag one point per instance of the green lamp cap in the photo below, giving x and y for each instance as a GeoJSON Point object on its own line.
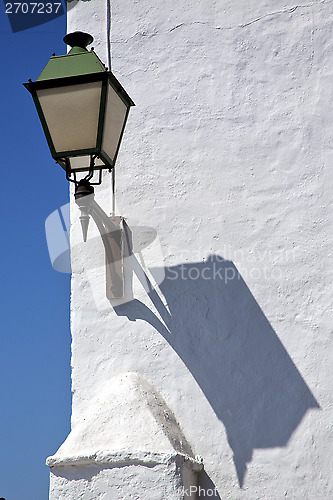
{"type": "Point", "coordinates": [78, 61]}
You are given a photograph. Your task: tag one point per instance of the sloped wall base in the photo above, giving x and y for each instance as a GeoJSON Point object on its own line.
{"type": "Point", "coordinates": [127, 445]}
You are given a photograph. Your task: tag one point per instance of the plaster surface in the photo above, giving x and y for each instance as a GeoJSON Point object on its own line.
{"type": "Point", "coordinates": [227, 155]}
{"type": "Point", "coordinates": [157, 482]}
{"type": "Point", "coordinates": [127, 420]}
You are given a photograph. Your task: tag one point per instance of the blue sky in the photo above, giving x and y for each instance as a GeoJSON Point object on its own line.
{"type": "Point", "coordinates": [35, 335]}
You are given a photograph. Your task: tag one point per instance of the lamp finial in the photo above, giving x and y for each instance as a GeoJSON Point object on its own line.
{"type": "Point", "coordinates": [78, 39]}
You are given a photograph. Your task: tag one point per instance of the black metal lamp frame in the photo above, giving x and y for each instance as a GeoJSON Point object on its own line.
{"type": "Point", "coordinates": [90, 174]}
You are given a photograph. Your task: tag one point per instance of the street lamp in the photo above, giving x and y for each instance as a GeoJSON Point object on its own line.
{"type": "Point", "coordinates": [83, 111]}
{"type": "Point", "coordinates": [82, 107]}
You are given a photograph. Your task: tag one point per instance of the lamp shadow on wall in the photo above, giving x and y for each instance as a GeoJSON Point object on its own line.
{"type": "Point", "coordinates": [219, 331]}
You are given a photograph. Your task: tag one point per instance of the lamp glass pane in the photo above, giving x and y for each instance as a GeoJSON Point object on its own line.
{"type": "Point", "coordinates": [71, 114]}
{"type": "Point", "coordinates": [115, 117]}
{"type": "Point", "coordinates": [82, 163]}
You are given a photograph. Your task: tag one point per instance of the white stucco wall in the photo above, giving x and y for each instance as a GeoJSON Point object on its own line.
{"type": "Point", "coordinates": [227, 154]}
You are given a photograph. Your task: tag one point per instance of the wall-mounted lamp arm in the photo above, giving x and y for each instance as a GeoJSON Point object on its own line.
{"type": "Point", "coordinates": [110, 234]}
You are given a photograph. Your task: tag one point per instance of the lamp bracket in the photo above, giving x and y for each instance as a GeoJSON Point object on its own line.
{"type": "Point", "coordinates": [111, 231]}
